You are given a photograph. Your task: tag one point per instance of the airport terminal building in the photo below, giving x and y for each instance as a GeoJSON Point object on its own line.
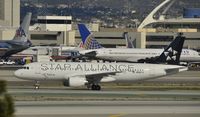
{"type": "Point", "coordinates": [152, 33]}
{"type": "Point", "coordinates": [9, 18]}
{"type": "Point", "coordinates": [61, 30]}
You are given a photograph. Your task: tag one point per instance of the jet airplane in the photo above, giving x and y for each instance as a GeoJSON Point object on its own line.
{"type": "Point", "coordinates": [20, 41]}
{"type": "Point", "coordinates": [127, 54]}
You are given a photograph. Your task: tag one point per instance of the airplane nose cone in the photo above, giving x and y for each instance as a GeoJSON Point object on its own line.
{"type": "Point", "coordinates": [18, 73]}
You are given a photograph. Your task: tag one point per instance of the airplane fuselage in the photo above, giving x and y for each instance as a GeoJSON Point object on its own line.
{"type": "Point", "coordinates": [135, 54]}
{"type": "Point", "coordinates": [10, 47]}
{"type": "Point", "coordinates": [110, 72]}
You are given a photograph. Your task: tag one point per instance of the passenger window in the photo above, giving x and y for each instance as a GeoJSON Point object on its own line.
{"type": "Point", "coordinates": [23, 67]}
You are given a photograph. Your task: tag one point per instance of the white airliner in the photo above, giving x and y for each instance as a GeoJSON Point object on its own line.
{"type": "Point", "coordinates": [75, 74]}
{"type": "Point", "coordinates": [136, 54]}
{"type": "Point", "coordinates": [127, 54]}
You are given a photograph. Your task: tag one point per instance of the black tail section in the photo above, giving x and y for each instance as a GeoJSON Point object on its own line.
{"type": "Point", "coordinates": [171, 54]}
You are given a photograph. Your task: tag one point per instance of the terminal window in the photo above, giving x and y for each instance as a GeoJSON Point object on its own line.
{"type": "Point", "coordinates": [54, 21]}
{"type": "Point", "coordinates": [43, 37]}
{"type": "Point", "coordinates": [160, 38]}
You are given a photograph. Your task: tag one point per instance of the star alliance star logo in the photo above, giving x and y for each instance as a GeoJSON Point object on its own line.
{"type": "Point", "coordinates": [171, 54]}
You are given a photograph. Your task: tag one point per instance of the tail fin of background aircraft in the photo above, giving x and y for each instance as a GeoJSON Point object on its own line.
{"type": "Point", "coordinates": [172, 53]}
{"type": "Point", "coordinates": [129, 42]}
{"type": "Point", "coordinates": [80, 45]}
{"type": "Point", "coordinates": [22, 32]}
{"type": "Point", "coordinates": [87, 38]}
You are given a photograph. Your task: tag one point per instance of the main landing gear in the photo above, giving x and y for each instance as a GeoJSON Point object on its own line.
{"type": "Point", "coordinates": [94, 87]}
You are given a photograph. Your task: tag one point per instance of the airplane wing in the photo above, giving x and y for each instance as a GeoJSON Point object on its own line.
{"type": "Point", "coordinates": [100, 74]}
{"type": "Point", "coordinates": [175, 70]}
{"type": "Point", "coordinates": [133, 59]}
{"type": "Point", "coordinates": [96, 76]}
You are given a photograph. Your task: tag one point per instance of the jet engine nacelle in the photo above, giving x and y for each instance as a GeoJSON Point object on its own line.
{"type": "Point", "coordinates": [75, 82]}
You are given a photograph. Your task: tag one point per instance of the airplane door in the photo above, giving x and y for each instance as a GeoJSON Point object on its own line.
{"type": "Point", "coordinates": [37, 71]}
{"type": "Point", "coordinates": [109, 54]}
{"type": "Point", "coordinates": [43, 75]}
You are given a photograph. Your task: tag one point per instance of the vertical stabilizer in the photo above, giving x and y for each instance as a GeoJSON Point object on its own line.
{"type": "Point", "coordinates": [22, 32]}
{"type": "Point", "coordinates": [87, 38]}
{"type": "Point", "coordinates": [172, 53]}
{"type": "Point", "coordinates": [129, 42]}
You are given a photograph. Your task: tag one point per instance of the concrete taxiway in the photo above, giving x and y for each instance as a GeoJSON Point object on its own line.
{"type": "Point", "coordinates": [108, 95]}
{"type": "Point", "coordinates": [107, 108]}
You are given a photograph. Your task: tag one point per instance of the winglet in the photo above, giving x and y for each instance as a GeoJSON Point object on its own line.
{"type": "Point", "coordinates": [87, 38]}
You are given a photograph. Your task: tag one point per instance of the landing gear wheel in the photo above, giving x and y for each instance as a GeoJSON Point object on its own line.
{"type": "Point", "coordinates": [88, 86]}
{"type": "Point", "coordinates": [96, 87]}
{"type": "Point", "coordinates": [37, 85]}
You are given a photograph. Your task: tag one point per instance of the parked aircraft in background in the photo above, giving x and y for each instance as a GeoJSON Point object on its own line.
{"type": "Point", "coordinates": [19, 43]}
{"type": "Point", "coordinates": [128, 54]}
{"type": "Point", "coordinates": [129, 43]}
{"type": "Point", "coordinates": [63, 52]}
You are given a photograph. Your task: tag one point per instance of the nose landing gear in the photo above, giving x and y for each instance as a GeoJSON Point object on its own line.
{"type": "Point", "coordinates": [37, 85]}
